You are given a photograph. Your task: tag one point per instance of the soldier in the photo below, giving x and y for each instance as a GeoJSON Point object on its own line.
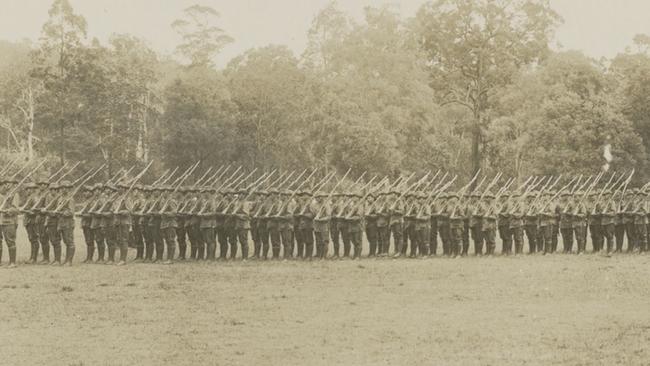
{"type": "Point", "coordinates": [594, 222]}
{"type": "Point", "coordinates": [258, 198]}
{"type": "Point", "coordinates": [263, 204]}
{"type": "Point", "coordinates": [230, 223]}
{"type": "Point", "coordinates": [287, 207]}
{"type": "Point", "coordinates": [306, 224]}
{"type": "Point", "coordinates": [97, 221]}
{"type": "Point", "coordinates": [88, 196]}
{"type": "Point", "coordinates": [546, 220]}
{"type": "Point", "coordinates": [52, 222]}
{"type": "Point", "coordinates": [531, 223]}
{"type": "Point", "coordinates": [408, 233]}
{"type": "Point", "coordinates": [353, 215]}
{"type": "Point", "coordinates": [110, 224]}
{"type": "Point", "coordinates": [322, 211]}
{"type": "Point", "coordinates": [39, 205]}
{"type": "Point", "coordinates": [640, 212]}
{"type": "Point", "coordinates": [273, 222]}
{"type": "Point", "coordinates": [9, 218]}
{"type": "Point", "coordinates": [423, 224]}
{"type": "Point", "coordinates": [221, 229]}
{"type": "Point", "coordinates": [138, 224]}
{"type": "Point", "coordinates": [65, 222]}
{"type": "Point", "coordinates": [433, 227]}
{"type": "Point", "coordinates": [579, 222]}
{"type": "Point", "coordinates": [456, 225]}
{"type": "Point", "coordinates": [372, 232]}
{"type": "Point", "coordinates": [30, 221]}
{"type": "Point", "coordinates": [150, 196]}
{"type": "Point", "coordinates": [503, 208]}
{"type": "Point", "coordinates": [627, 219]}
{"type": "Point", "coordinates": [169, 222]}
{"type": "Point", "coordinates": [466, 213]}
{"type": "Point", "coordinates": [192, 229]}
{"type": "Point", "coordinates": [241, 212]}
{"type": "Point", "coordinates": [208, 222]}
{"type": "Point", "coordinates": [396, 221]}
{"type": "Point", "coordinates": [566, 223]}
{"type": "Point", "coordinates": [335, 232]}
{"type": "Point", "coordinates": [488, 224]}
{"type": "Point", "coordinates": [607, 211]}
{"type": "Point", "coordinates": [184, 224]}
{"type": "Point", "coordinates": [122, 215]}
{"type": "Point", "coordinates": [474, 220]}
{"type": "Point", "coordinates": [442, 217]}
{"type": "Point", "coordinates": [516, 221]}
{"type": "Point", "coordinates": [382, 223]}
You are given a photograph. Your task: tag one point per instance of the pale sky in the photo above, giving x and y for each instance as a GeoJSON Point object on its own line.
{"type": "Point", "coordinates": [599, 28]}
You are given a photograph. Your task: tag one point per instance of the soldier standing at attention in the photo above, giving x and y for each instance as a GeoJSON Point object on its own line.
{"type": "Point", "coordinates": [222, 234]}
{"type": "Point", "coordinates": [52, 222]}
{"type": "Point", "coordinates": [208, 222]}
{"type": "Point", "coordinates": [9, 219]}
{"type": "Point", "coordinates": [640, 213]}
{"type": "Point", "coordinates": [122, 211]}
{"type": "Point", "coordinates": [307, 224]}
{"type": "Point", "coordinates": [272, 222]}
{"type": "Point", "coordinates": [423, 224]}
{"type": "Point", "coordinates": [337, 225]}
{"type": "Point", "coordinates": [488, 223]}
{"type": "Point", "coordinates": [371, 226]}
{"type": "Point", "coordinates": [322, 211]}
{"type": "Point", "coordinates": [40, 203]}
{"type": "Point", "coordinates": [594, 222]}
{"type": "Point", "coordinates": [474, 220]}
{"type": "Point", "coordinates": [627, 219]}
{"type": "Point", "coordinates": [546, 219]}
{"type": "Point", "coordinates": [65, 223]}
{"type": "Point", "coordinates": [242, 214]}
{"type": "Point", "coordinates": [169, 223]}
{"type": "Point", "coordinates": [433, 231]}
{"type": "Point", "coordinates": [505, 233]}
{"type": "Point", "coordinates": [516, 219]}
{"type": "Point", "coordinates": [579, 218]}
{"type": "Point", "coordinates": [408, 235]}
{"type": "Point", "coordinates": [396, 221]}
{"type": "Point", "coordinates": [193, 228]}
{"type": "Point", "coordinates": [263, 233]}
{"type": "Point", "coordinates": [137, 223]}
{"type": "Point", "coordinates": [607, 211]}
{"type": "Point", "coordinates": [30, 221]}
{"type": "Point", "coordinates": [566, 224]}
{"type": "Point", "coordinates": [353, 216]}
{"type": "Point", "coordinates": [110, 224]}
{"type": "Point", "coordinates": [285, 223]}
{"type": "Point", "coordinates": [96, 221]}
{"type": "Point", "coordinates": [456, 225]}
{"type": "Point", "coordinates": [230, 222]}
{"type": "Point", "coordinates": [255, 204]}
{"type": "Point", "coordinates": [183, 222]}
{"type": "Point", "coordinates": [531, 223]}
{"type": "Point", "coordinates": [383, 221]}
{"type": "Point", "coordinates": [442, 213]}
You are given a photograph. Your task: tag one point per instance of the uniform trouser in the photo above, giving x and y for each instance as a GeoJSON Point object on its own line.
{"type": "Point", "coordinates": [110, 236]}
{"type": "Point", "coordinates": [159, 241]}
{"type": "Point", "coordinates": [286, 234]}
{"type": "Point", "coordinates": [233, 238]}
{"type": "Point", "coordinates": [55, 241]}
{"type": "Point", "coordinates": [396, 231]}
{"type": "Point", "coordinates": [433, 238]}
{"type": "Point", "coordinates": [476, 232]}
{"type": "Point", "coordinates": [411, 238]}
{"type": "Point", "coordinates": [544, 236]}
{"type": "Point", "coordinates": [383, 239]}
{"type": "Point", "coordinates": [197, 243]}
{"type": "Point", "coordinates": [608, 234]}
{"type": "Point", "coordinates": [455, 240]}
{"type": "Point", "coordinates": [641, 236]}
{"type": "Point", "coordinates": [596, 233]}
{"type": "Point", "coordinates": [67, 236]}
{"type": "Point", "coordinates": [209, 236]}
{"type": "Point", "coordinates": [255, 237]}
{"type": "Point", "coordinates": [518, 238]}
{"type": "Point", "coordinates": [506, 237]}
{"type": "Point", "coordinates": [567, 239]}
{"type": "Point", "coordinates": [276, 241]}
{"type": "Point", "coordinates": [242, 238]}
{"type": "Point", "coordinates": [222, 237]}
{"type": "Point", "coordinates": [355, 237]}
{"type": "Point", "coordinates": [422, 235]}
{"type": "Point", "coordinates": [372, 234]}
{"type": "Point", "coordinates": [307, 240]}
{"type": "Point", "coordinates": [138, 240]}
{"type": "Point", "coordinates": [263, 237]}
{"type": "Point", "coordinates": [122, 236]}
{"type": "Point", "coordinates": [334, 235]}
{"type": "Point", "coordinates": [182, 234]}
{"type": "Point", "coordinates": [100, 242]}
{"type": "Point", "coordinates": [619, 233]}
{"type": "Point", "coordinates": [169, 237]}
{"type": "Point", "coordinates": [489, 236]}
{"type": "Point", "coordinates": [555, 232]}
{"type": "Point", "coordinates": [298, 242]}
{"type": "Point", "coordinates": [445, 237]}
{"type": "Point", "coordinates": [322, 242]}
{"type": "Point", "coordinates": [631, 239]}
{"type": "Point", "coordinates": [465, 238]}
{"type": "Point", "coordinates": [581, 237]}
{"type": "Point", "coordinates": [149, 242]}
{"type": "Point", "coordinates": [89, 239]}
{"type": "Point", "coordinates": [346, 239]}
{"type": "Point", "coordinates": [32, 236]}
{"type": "Point", "coordinates": [531, 234]}
{"type": "Point", "coordinates": [9, 236]}
{"type": "Point", "coordinates": [44, 240]}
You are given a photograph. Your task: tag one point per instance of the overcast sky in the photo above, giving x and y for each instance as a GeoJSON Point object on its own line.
{"type": "Point", "coordinates": [599, 28]}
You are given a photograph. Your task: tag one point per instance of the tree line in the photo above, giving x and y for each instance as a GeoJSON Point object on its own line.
{"type": "Point", "coordinates": [461, 86]}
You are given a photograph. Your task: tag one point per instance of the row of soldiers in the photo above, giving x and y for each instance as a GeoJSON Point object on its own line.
{"type": "Point", "coordinates": [302, 224]}
{"type": "Point", "coordinates": [285, 222]}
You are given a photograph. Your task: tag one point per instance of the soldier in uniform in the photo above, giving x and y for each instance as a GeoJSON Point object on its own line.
{"type": "Point", "coordinates": [433, 225]}
{"type": "Point", "coordinates": [594, 222]}
{"type": "Point", "coordinates": [52, 222]}
{"type": "Point", "coordinates": [516, 222]}
{"type": "Point", "coordinates": [30, 221]}
{"type": "Point", "coordinates": [208, 222]}
{"type": "Point", "coordinates": [396, 221]}
{"type": "Point", "coordinates": [531, 223]}
{"type": "Point", "coordinates": [88, 197]}
{"type": "Point", "coordinates": [306, 224]}
{"type": "Point", "coordinates": [372, 233]}
{"type": "Point", "coordinates": [287, 207]}
{"type": "Point", "coordinates": [122, 212]}
{"type": "Point", "coordinates": [193, 229]}
{"type": "Point", "coordinates": [546, 219]}
{"type": "Point", "coordinates": [110, 224]}
{"type": "Point", "coordinates": [423, 224]}
{"type": "Point", "coordinates": [97, 221]}
{"type": "Point", "coordinates": [607, 211]}
{"type": "Point", "coordinates": [222, 233]}
{"type": "Point", "coordinates": [640, 212]}
{"type": "Point", "coordinates": [169, 222]}
{"type": "Point", "coordinates": [579, 222]}
{"type": "Point", "coordinates": [183, 231]}
{"type": "Point", "coordinates": [65, 222]}
{"type": "Point", "coordinates": [442, 216]}
{"type": "Point", "coordinates": [40, 203]}
{"type": "Point", "coordinates": [263, 204]}
{"type": "Point", "coordinates": [566, 223]}
{"type": "Point", "coordinates": [241, 212]}
{"type": "Point", "coordinates": [503, 208]}
{"type": "Point", "coordinates": [408, 233]}
{"type": "Point", "coordinates": [488, 223]}
{"type": "Point", "coordinates": [9, 219]}
{"type": "Point", "coordinates": [382, 223]}
{"type": "Point", "coordinates": [627, 220]}
{"type": "Point", "coordinates": [322, 211]}
{"type": "Point", "coordinates": [273, 222]}
{"type": "Point", "coordinates": [474, 220]}
{"type": "Point", "coordinates": [353, 215]}
{"type": "Point", "coordinates": [256, 202]}
{"type": "Point", "coordinates": [456, 225]}
{"type": "Point", "coordinates": [335, 232]}
{"type": "Point", "coordinates": [230, 223]}
{"type": "Point", "coordinates": [137, 223]}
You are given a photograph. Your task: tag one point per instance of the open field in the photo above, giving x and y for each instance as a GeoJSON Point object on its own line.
{"type": "Point", "coordinates": [536, 310]}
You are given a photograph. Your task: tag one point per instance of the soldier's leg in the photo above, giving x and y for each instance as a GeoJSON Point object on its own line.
{"type": "Point", "coordinates": [181, 238]}
{"type": "Point", "coordinates": [149, 243]}
{"type": "Point", "coordinates": [445, 238]}
{"type": "Point", "coordinates": [287, 242]}
{"type": "Point", "coordinates": [257, 243]}
{"type": "Point", "coordinates": [640, 235]}
{"type": "Point", "coordinates": [530, 235]}
{"type": "Point", "coordinates": [242, 237]}
{"type": "Point", "coordinates": [308, 238]}
{"type": "Point", "coordinates": [555, 233]}
{"type": "Point", "coordinates": [505, 239]}
{"type": "Point", "coordinates": [232, 240]}
{"type": "Point", "coordinates": [170, 242]}
{"type": "Point", "coordinates": [45, 242]}
{"type": "Point", "coordinates": [478, 240]}
{"type": "Point", "coordinates": [518, 239]}
{"type": "Point", "coordinates": [425, 234]}
{"type": "Point", "coordinates": [355, 239]}
{"type": "Point", "coordinates": [276, 242]}
{"type": "Point", "coordinates": [371, 236]}
{"type": "Point", "coordinates": [32, 236]}
{"type": "Point", "coordinates": [9, 235]}
{"type": "Point", "coordinates": [223, 242]}
{"type": "Point", "coordinates": [629, 232]}
{"type": "Point", "coordinates": [398, 241]}
{"type": "Point", "coordinates": [465, 239]}
{"type": "Point", "coordinates": [567, 239]}
{"type": "Point", "coordinates": [608, 232]}
{"type": "Point", "coordinates": [67, 234]}
{"type": "Point", "coordinates": [334, 235]}
{"type": "Point", "coordinates": [263, 237]}
{"type": "Point", "coordinates": [489, 236]}
{"type": "Point", "coordinates": [138, 237]}
{"type": "Point", "coordinates": [89, 239]}
{"type": "Point", "coordinates": [100, 243]}
{"type": "Point", "coordinates": [55, 241]}
{"type": "Point", "coordinates": [209, 237]}
{"type": "Point", "coordinates": [300, 242]}
{"type": "Point", "coordinates": [347, 242]}
{"type": "Point", "coordinates": [110, 234]}
{"type": "Point", "coordinates": [619, 233]}
{"type": "Point", "coordinates": [547, 234]}
{"type": "Point", "coordinates": [160, 243]}
{"type": "Point", "coordinates": [595, 231]}
{"type": "Point", "coordinates": [124, 245]}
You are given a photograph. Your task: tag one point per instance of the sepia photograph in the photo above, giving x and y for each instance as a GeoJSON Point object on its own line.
{"type": "Point", "coordinates": [324, 182]}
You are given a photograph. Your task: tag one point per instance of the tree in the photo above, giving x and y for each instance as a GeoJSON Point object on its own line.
{"type": "Point", "coordinates": [475, 47]}
{"type": "Point", "coordinates": [202, 40]}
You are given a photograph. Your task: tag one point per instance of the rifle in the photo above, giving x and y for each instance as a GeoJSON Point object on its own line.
{"type": "Point", "coordinates": [329, 196]}
{"type": "Point", "coordinates": [438, 193]}
{"type": "Point", "coordinates": [77, 188]}
{"type": "Point", "coordinates": [293, 194]}
{"type": "Point", "coordinates": [8, 167]}
{"type": "Point", "coordinates": [133, 183]}
{"type": "Point", "coordinates": [10, 194]}
{"type": "Point", "coordinates": [20, 170]}
{"type": "Point", "coordinates": [250, 191]}
{"type": "Point", "coordinates": [126, 174]}
{"type": "Point", "coordinates": [65, 164]}
{"type": "Point", "coordinates": [198, 181]}
{"type": "Point", "coordinates": [66, 173]}
{"type": "Point", "coordinates": [178, 184]}
{"type": "Point", "coordinates": [461, 192]}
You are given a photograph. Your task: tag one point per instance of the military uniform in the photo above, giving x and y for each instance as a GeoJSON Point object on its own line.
{"type": "Point", "coordinates": [30, 223]}
{"type": "Point", "coordinates": [9, 223]}
{"type": "Point", "coordinates": [372, 231]}
{"type": "Point", "coordinates": [423, 225]}
{"type": "Point", "coordinates": [208, 225]}
{"type": "Point", "coordinates": [322, 212]}
{"type": "Point", "coordinates": [168, 226]}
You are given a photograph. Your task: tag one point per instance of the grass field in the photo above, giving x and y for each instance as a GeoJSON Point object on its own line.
{"type": "Point", "coordinates": [531, 309]}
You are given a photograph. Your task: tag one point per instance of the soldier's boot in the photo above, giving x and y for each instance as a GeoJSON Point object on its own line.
{"type": "Point", "coordinates": [244, 251]}
{"type": "Point", "coordinates": [139, 252]}
{"type": "Point", "coordinates": [309, 250]}
{"type": "Point", "coordinates": [33, 257]}
{"type": "Point", "coordinates": [276, 252]}
{"type": "Point", "coordinates": [111, 254]}
{"type": "Point", "coordinates": [200, 251]}
{"type": "Point", "coordinates": [57, 255]}
{"type": "Point", "coordinates": [372, 249]}
{"type": "Point", "coordinates": [182, 249]}
{"type": "Point", "coordinates": [301, 250]}
{"type": "Point", "coordinates": [233, 251]}
{"type": "Point", "coordinates": [69, 255]}
{"type": "Point", "coordinates": [336, 250]}
{"type": "Point", "coordinates": [100, 253]}
{"type": "Point", "coordinates": [124, 250]}
{"type": "Point", "coordinates": [90, 252]}
{"type": "Point", "coordinates": [46, 254]}
{"type": "Point", "coordinates": [171, 251]}
{"type": "Point", "coordinates": [12, 257]}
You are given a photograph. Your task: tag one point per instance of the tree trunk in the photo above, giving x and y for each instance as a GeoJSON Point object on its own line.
{"type": "Point", "coordinates": [30, 126]}
{"type": "Point", "coordinates": [476, 141]}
